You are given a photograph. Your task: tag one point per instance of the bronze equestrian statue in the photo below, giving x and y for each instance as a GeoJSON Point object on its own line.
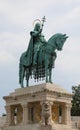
{"type": "Point", "coordinates": [40, 56]}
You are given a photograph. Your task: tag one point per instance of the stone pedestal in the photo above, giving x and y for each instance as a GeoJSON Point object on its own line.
{"type": "Point", "coordinates": [47, 127]}
{"type": "Point", "coordinates": [38, 107]}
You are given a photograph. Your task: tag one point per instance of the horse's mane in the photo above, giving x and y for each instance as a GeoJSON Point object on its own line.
{"type": "Point", "coordinates": [54, 37]}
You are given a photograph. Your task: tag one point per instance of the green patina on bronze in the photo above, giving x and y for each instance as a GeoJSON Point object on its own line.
{"type": "Point", "coordinates": [40, 56]}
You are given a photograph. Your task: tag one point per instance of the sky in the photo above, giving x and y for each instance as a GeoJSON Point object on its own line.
{"type": "Point", "coordinates": [16, 22]}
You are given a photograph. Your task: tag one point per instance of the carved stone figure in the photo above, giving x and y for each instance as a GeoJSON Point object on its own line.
{"type": "Point", "coordinates": [40, 56]}
{"type": "Point", "coordinates": [46, 114]}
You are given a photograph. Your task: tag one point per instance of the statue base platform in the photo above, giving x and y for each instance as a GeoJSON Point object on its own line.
{"type": "Point", "coordinates": [40, 107]}
{"type": "Point", "coordinates": [37, 127]}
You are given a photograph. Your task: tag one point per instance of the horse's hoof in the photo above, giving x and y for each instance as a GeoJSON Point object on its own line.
{"type": "Point", "coordinates": [47, 82]}
{"type": "Point", "coordinates": [51, 82]}
{"type": "Point", "coordinates": [22, 86]}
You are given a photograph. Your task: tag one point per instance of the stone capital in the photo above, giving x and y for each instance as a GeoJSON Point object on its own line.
{"type": "Point", "coordinates": [68, 105]}
{"type": "Point", "coordinates": [8, 109]}
{"type": "Point", "coordinates": [44, 101]}
{"type": "Point", "coordinates": [24, 105]}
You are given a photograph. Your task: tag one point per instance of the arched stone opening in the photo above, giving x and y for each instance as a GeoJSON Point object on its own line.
{"type": "Point", "coordinates": [16, 114]}
{"type": "Point", "coordinates": [61, 112]}
{"type": "Point", "coordinates": [34, 112]}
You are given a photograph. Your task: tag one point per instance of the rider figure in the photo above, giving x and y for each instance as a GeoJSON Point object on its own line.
{"type": "Point", "coordinates": [38, 41]}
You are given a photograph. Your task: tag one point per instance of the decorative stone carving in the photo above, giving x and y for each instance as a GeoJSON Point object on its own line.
{"type": "Point", "coordinates": [34, 112]}
{"type": "Point", "coordinates": [38, 112]}
{"type": "Point", "coordinates": [55, 112]}
{"type": "Point", "coordinates": [46, 113]}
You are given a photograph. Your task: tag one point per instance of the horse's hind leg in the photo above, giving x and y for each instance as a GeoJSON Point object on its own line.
{"type": "Point", "coordinates": [27, 76]}
{"type": "Point", "coordinates": [27, 82]}
{"type": "Point", "coordinates": [47, 76]}
{"type": "Point", "coordinates": [22, 77]}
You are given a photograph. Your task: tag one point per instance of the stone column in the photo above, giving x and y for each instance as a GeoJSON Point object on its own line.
{"type": "Point", "coordinates": [30, 113]}
{"type": "Point", "coordinates": [25, 113]}
{"type": "Point", "coordinates": [8, 117]}
{"type": "Point", "coordinates": [66, 114]}
{"type": "Point", "coordinates": [19, 114]}
{"type": "Point", "coordinates": [12, 115]}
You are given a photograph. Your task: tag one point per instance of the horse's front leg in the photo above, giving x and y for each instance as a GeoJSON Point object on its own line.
{"type": "Point", "coordinates": [51, 65]}
{"type": "Point", "coordinates": [50, 74]}
{"type": "Point", "coordinates": [27, 80]}
{"type": "Point", "coordinates": [47, 73]}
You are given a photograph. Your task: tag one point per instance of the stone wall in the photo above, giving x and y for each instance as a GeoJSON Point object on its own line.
{"type": "Point", "coordinates": [75, 121]}
{"type": "Point", "coordinates": [2, 121]}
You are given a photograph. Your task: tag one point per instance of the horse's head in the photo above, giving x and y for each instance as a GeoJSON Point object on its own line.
{"type": "Point", "coordinates": [60, 39]}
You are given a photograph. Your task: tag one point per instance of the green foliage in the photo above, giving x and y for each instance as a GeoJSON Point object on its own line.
{"type": "Point", "coordinates": [75, 101]}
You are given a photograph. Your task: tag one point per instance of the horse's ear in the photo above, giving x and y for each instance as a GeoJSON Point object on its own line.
{"type": "Point", "coordinates": [64, 35]}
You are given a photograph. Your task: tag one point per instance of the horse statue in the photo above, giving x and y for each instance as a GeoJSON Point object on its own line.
{"type": "Point", "coordinates": [45, 60]}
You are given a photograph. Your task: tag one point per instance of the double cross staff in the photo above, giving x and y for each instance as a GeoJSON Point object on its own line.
{"type": "Point", "coordinates": [43, 20]}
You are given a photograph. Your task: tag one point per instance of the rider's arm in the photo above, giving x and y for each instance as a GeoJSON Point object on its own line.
{"type": "Point", "coordinates": [35, 33]}
{"type": "Point", "coordinates": [43, 40]}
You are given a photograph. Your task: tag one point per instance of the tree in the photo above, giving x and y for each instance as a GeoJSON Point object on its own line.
{"type": "Point", "coordinates": [75, 101]}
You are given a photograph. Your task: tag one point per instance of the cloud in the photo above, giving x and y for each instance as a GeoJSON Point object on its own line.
{"type": "Point", "coordinates": [69, 59]}
{"type": "Point", "coordinates": [23, 12]}
{"type": "Point", "coordinates": [6, 58]}
{"type": "Point", "coordinates": [20, 12]}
